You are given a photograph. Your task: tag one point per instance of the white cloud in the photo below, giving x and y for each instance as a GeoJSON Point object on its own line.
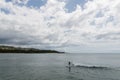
{"type": "Point", "coordinates": [51, 25]}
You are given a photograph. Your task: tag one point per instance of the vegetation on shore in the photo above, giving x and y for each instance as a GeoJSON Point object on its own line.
{"type": "Point", "coordinates": [11, 49]}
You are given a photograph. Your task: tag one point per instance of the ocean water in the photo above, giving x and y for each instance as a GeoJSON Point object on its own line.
{"type": "Point", "coordinates": [53, 67]}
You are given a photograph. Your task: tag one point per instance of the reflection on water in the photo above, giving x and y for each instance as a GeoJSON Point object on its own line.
{"type": "Point", "coordinates": [53, 67]}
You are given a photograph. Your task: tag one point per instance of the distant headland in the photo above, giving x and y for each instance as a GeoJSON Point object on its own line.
{"type": "Point", "coordinates": [12, 49]}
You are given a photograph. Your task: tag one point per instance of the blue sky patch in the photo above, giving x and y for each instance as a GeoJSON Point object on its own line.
{"type": "Point", "coordinates": [6, 11]}
{"type": "Point", "coordinates": [71, 5]}
{"type": "Point", "coordinates": [36, 3]}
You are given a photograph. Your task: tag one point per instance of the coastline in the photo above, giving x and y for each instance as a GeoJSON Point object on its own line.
{"type": "Point", "coordinates": [20, 50]}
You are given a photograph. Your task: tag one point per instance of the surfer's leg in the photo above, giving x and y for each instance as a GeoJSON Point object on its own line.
{"type": "Point", "coordinates": [69, 69]}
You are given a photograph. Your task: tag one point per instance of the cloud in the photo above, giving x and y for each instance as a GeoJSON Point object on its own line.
{"type": "Point", "coordinates": [95, 23]}
{"type": "Point", "coordinates": [18, 1]}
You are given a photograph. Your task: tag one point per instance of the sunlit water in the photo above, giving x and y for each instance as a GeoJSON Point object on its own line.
{"type": "Point", "coordinates": [53, 67]}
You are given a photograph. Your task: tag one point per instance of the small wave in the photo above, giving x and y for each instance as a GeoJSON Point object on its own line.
{"type": "Point", "coordinates": [91, 67]}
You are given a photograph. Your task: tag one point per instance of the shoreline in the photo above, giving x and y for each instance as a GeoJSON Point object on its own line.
{"type": "Point", "coordinates": [20, 50]}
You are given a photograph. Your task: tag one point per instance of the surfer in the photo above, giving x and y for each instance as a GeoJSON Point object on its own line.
{"type": "Point", "coordinates": [69, 66]}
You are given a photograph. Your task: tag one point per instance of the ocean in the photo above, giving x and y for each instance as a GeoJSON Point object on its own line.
{"type": "Point", "coordinates": [54, 66]}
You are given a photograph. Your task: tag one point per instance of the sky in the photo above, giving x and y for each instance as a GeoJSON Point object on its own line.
{"type": "Point", "coordinates": [76, 26]}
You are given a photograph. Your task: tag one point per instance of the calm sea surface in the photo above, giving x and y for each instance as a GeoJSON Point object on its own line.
{"type": "Point", "coordinates": [53, 67]}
